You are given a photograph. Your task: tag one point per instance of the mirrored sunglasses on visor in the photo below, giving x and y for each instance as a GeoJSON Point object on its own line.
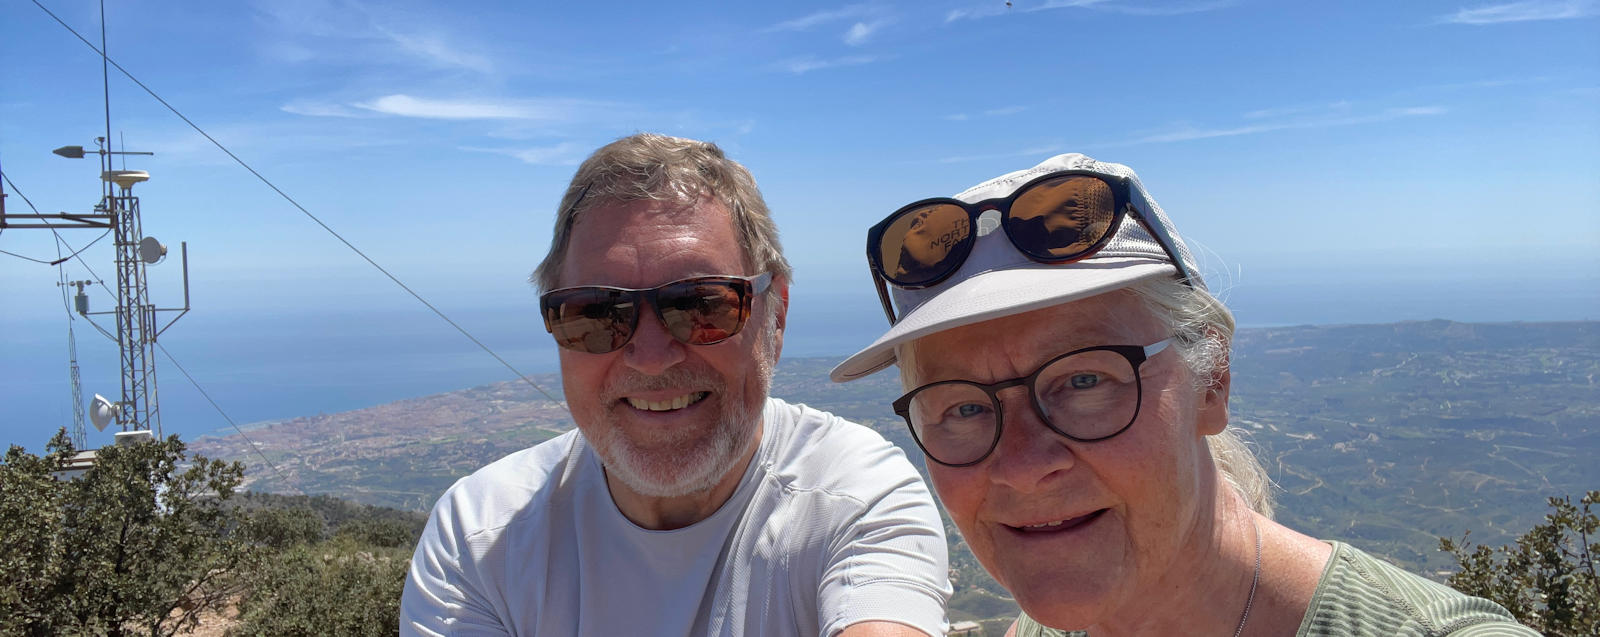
{"type": "Point", "coordinates": [696, 311]}
{"type": "Point", "coordinates": [1057, 218]}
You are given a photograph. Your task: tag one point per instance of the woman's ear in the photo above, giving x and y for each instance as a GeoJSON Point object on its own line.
{"type": "Point", "coordinates": [1214, 398]}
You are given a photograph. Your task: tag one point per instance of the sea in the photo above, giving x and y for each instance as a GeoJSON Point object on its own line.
{"type": "Point", "coordinates": [250, 367]}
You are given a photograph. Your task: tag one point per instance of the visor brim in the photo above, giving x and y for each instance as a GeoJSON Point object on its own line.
{"type": "Point", "coordinates": [1000, 293]}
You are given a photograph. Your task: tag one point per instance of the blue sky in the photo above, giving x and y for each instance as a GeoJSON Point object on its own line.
{"type": "Point", "coordinates": [1416, 146]}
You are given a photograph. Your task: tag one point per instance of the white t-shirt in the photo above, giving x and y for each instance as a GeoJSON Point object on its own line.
{"type": "Point", "coordinates": [829, 526]}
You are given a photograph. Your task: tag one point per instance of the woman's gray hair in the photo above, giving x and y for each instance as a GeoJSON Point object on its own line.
{"type": "Point", "coordinates": [652, 167]}
{"type": "Point", "coordinates": [1202, 329]}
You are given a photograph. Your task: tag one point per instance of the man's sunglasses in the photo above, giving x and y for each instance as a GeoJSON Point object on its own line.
{"type": "Point", "coordinates": [1057, 218]}
{"type": "Point", "coordinates": [697, 311]}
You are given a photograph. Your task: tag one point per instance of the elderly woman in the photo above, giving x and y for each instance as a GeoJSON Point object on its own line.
{"type": "Point", "coordinates": [1072, 402]}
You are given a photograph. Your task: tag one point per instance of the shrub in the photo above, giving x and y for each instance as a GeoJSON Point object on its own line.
{"type": "Point", "coordinates": [282, 528]}
{"type": "Point", "coordinates": [1547, 578]}
{"type": "Point", "coordinates": [379, 532]}
{"type": "Point", "coordinates": [139, 541]}
{"type": "Point", "coordinates": [332, 588]}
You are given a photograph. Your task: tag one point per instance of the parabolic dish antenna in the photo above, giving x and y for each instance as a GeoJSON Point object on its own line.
{"type": "Point", "coordinates": [102, 412]}
{"type": "Point", "coordinates": [151, 251]}
{"type": "Point", "coordinates": [125, 178]}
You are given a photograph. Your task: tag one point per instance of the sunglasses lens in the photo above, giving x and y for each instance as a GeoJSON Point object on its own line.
{"type": "Point", "coordinates": [704, 312]}
{"type": "Point", "coordinates": [1062, 218]}
{"type": "Point", "coordinates": [919, 246]}
{"type": "Point", "coordinates": [593, 320]}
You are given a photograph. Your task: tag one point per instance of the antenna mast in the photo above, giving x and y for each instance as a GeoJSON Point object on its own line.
{"type": "Point", "coordinates": [79, 439]}
{"type": "Point", "coordinates": [136, 328]}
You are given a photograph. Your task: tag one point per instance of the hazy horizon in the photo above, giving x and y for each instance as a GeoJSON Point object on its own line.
{"type": "Point", "coordinates": [262, 367]}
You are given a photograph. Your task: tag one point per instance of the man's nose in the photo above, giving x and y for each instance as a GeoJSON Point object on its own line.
{"type": "Point", "coordinates": [652, 350]}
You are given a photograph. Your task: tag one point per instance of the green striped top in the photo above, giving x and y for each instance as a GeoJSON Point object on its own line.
{"type": "Point", "coordinates": [1360, 595]}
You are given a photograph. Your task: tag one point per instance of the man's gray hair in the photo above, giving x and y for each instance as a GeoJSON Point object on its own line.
{"type": "Point", "coordinates": [651, 167]}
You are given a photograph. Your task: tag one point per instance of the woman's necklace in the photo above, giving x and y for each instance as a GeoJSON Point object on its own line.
{"type": "Point", "coordinates": [1245, 616]}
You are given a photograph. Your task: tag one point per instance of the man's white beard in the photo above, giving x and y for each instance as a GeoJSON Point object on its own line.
{"type": "Point", "coordinates": [699, 461]}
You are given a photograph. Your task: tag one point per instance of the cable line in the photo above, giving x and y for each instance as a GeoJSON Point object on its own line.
{"type": "Point", "coordinates": [79, 439]}
{"type": "Point", "coordinates": [170, 358]}
{"type": "Point", "coordinates": [60, 241]}
{"type": "Point", "coordinates": [25, 199]}
{"type": "Point", "coordinates": [186, 375]}
{"type": "Point", "coordinates": [62, 259]}
{"type": "Point", "coordinates": [19, 193]}
{"type": "Point", "coordinates": [301, 208]}
{"type": "Point", "coordinates": [24, 258]}
{"type": "Point", "coordinates": [295, 485]}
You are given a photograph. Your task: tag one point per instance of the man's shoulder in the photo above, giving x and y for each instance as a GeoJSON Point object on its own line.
{"type": "Point", "coordinates": [814, 449]}
{"type": "Point", "coordinates": [817, 427]}
{"type": "Point", "coordinates": [501, 490]}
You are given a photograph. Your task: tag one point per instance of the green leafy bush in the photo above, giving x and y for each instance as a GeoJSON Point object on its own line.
{"type": "Point", "coordinates": [1547, 578]}
{"type": "Point", "coordinates": [138, 543]}
{"type": "Point", "coordinates": [339, 587]}
{"type": "Point", "coordinates": [149, 539]}
{"type": "Point", "coordinates": [282, 528]}
{"type": "Point", "coordinates": [377, 532]}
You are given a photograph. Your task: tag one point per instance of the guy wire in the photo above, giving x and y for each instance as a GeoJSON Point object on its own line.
{"type": "Point", "coordinates": [296, 204]}
{"type": "Point", "coordinates": [186, 375]}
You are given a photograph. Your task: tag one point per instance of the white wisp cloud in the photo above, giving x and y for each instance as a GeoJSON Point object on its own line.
{"type": "Point", "coordinates": [1525, 11]}
{"type": "Point", "coordinates": [531, 109]}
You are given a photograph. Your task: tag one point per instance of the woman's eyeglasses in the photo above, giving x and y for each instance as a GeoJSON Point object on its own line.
{"type": "Point", "coordinates": [696, 311]}
{"type": "Point", "coordinates": [1087, 395]}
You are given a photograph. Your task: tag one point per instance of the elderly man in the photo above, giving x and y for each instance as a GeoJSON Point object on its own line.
{"type": "Point", "coordinates": [1070, 392]}
{"type": "Point", "coordinates": [687, 502]}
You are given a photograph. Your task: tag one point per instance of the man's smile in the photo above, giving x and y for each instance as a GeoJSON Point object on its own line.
{"type": "Point", "coordinates": [669, 404]}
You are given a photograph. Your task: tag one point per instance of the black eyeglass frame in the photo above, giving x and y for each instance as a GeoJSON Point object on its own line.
{"type": "Point", "coordinates": [748, 287]}
{"type": "Point", "coordinates": [1135, 355]}
{"type": "Point", "coordinates": [1122, 189]}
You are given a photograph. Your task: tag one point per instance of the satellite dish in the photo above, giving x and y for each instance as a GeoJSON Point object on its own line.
{"type": "Point", "coordinates": [102, 412]}
{"type": "Point", "coordinates": [125, 178]}
{"type": "Point", "coordinates": [151, 251]}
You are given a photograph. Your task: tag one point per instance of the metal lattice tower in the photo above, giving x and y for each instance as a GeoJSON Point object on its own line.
{"type": "Point", "coordinates": [79, 435]}
{"type": "Point", "coordinates": [136, 316]}
{"type": "Point", "coordinates": [80, 439]}
{"type": "Point", "coordinates": [136, 329]}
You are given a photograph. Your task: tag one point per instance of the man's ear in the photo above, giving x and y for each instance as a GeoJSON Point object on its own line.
{"type": "Point", "coordinates": [783, 305]}
{"type": "Point", "coordinates": [782, 315]}
{"type": "Point", "coordinates": [1213, 406]}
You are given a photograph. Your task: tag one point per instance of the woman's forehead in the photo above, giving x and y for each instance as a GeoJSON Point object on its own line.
{"type": "Point", "coordinates": [1029, 338]}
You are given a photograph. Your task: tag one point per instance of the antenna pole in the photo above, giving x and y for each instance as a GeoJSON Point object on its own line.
{"type": "Point", "coordinates": [80, 439]}
{"type": "Point", "coordinates": [136, 317]}
{"type": "Point", "coordinates": [136, 328]}
{"type": "Point", "coordinates": [105, 81]}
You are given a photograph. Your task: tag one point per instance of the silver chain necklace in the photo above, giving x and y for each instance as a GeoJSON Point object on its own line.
{"type": "Point", "coordinates": [1245, 616]}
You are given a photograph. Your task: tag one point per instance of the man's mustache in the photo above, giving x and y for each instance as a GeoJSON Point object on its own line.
{"type": "Point", "coordinates": [680, 378]}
